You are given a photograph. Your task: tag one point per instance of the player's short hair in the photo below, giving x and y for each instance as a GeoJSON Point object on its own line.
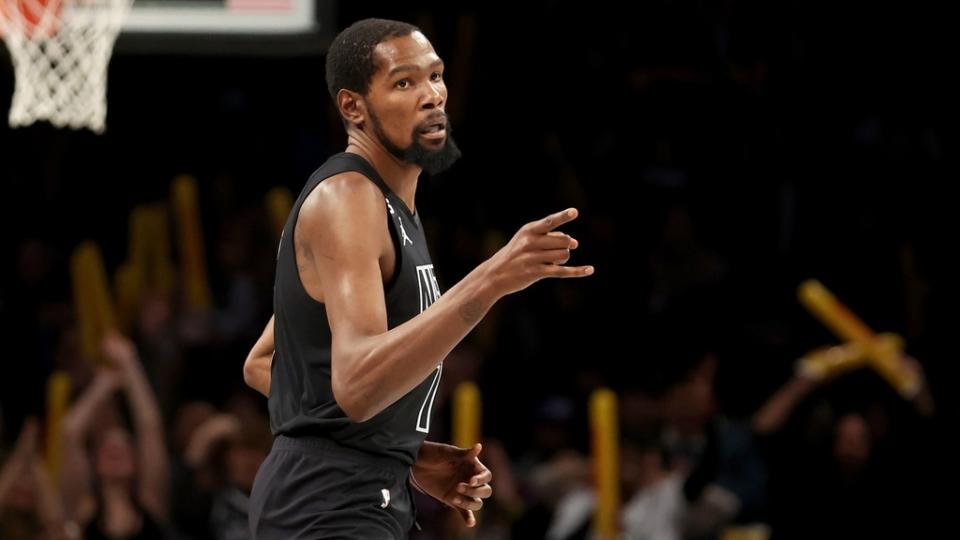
{"type": "Point", "coordinates": [350, 62]}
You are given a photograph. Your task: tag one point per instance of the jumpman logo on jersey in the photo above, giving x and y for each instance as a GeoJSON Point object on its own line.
{"type": "Point", "coordinates": [403, 232]}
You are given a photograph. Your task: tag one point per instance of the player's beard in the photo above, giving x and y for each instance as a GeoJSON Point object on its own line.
{"type": "Point", "coordinates": [432, 161]}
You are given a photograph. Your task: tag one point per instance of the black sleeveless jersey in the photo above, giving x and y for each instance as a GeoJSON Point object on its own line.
{"type": "Point", "coordinates": [301, 396]}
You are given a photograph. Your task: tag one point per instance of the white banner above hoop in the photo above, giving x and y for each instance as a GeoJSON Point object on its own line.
{"type": "Point", "coordinates": [221, 17]}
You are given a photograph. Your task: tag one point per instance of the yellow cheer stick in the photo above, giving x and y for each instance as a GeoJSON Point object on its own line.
{"type": "Point", "coordinates": [193, 264]}
{"type": "Point", "coordinates": [148, 266]}
{"type": "Point", "coordinates": [466, 425]}
{"type": "Point", "coordinates": [606, 454]}
{"type": "Point", "coordinates": [128, 284]}
{"type": "Point", "coordinates": [150, 247]}
{"type": "Point", "coordinates": [753, 531]}
{"type": "Point", "coordinates": [832, 361]}
{"type": "Point", "coordinates": [279, 203]}
{"type": "Point", "coordinates": [466, 415]}
{"type": "Point", "coordinates": [883, 354]}
{"type": "Point", "coordinates": [58, 399]}
{"type": "Point", "coordinates": [138, 242]}
{"type": "Point", "coordinates": [91, 299]}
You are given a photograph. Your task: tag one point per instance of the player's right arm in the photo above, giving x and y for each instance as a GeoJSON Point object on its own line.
{"type": "Point", "coordinates": [342, 225]}
{"type": "Point", "coordinates": [256, 368]}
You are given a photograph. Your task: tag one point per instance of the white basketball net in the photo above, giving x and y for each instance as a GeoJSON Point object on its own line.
{"type": "Point", "coordinates": [60, 51]}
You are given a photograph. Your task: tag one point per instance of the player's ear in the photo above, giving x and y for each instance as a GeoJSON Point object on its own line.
{"type": "Point", "coordinates": [352, 108]}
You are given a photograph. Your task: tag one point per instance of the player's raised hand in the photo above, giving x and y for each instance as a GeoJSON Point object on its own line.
{"type": "Point", "coordinates": [536, 252]}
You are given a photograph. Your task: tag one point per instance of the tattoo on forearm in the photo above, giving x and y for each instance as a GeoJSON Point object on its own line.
{"type": "Point", "coordinates": [471, 312]}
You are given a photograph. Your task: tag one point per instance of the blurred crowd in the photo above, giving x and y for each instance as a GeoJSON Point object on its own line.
{"type": "Point", "coordinates": [719, 155]}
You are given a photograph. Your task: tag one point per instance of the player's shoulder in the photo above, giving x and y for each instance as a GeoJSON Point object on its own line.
{"type": "Point", "coordinates": [348, 204]}
{"type": "Point", "coordinates": [345, 193]}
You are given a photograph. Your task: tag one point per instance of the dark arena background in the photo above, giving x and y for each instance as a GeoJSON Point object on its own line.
{"type": "Point", "coordinates": [721, 154]}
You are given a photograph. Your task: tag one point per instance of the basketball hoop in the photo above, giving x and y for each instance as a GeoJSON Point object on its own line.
{"type": "Point", "coordinates": [60, 51]}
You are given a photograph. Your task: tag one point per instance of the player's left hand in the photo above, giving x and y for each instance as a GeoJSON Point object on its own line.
{"type": "Point", "coordinates": [454, 476]}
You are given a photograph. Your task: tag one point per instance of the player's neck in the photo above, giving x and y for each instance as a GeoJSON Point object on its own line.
{"type": "Point", "coordinates": [400, 176]}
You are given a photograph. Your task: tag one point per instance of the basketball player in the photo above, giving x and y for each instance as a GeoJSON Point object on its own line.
{"type": "Point", "coordinates": [351, 360]}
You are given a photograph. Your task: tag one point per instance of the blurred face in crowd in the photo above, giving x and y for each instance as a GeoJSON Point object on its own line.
{"type": "Point", "coordinates": [188, 418]}
{"type": "Point", "coordinates": [114, 455]}
{"type": "Point", "coordinates": [22, 495]}
{"type": "Point", "coordinates": [243, 461]}
{"type": "Point", "coordinates": [154, 314]}
{"type": "Point", "coordinates": [691, 403]}
{"type": "Point", "coordinates": [244, 456]}
{"type": "Point", "coordinates": [640, 467]}
{"type": "Point", "coordinates": [852, 442]}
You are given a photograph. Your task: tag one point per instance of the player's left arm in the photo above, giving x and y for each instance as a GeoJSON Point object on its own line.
{"type": "Point", "coordinates": [454, 476]}
{"type": "Point", "coordinates": [256, 368]}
